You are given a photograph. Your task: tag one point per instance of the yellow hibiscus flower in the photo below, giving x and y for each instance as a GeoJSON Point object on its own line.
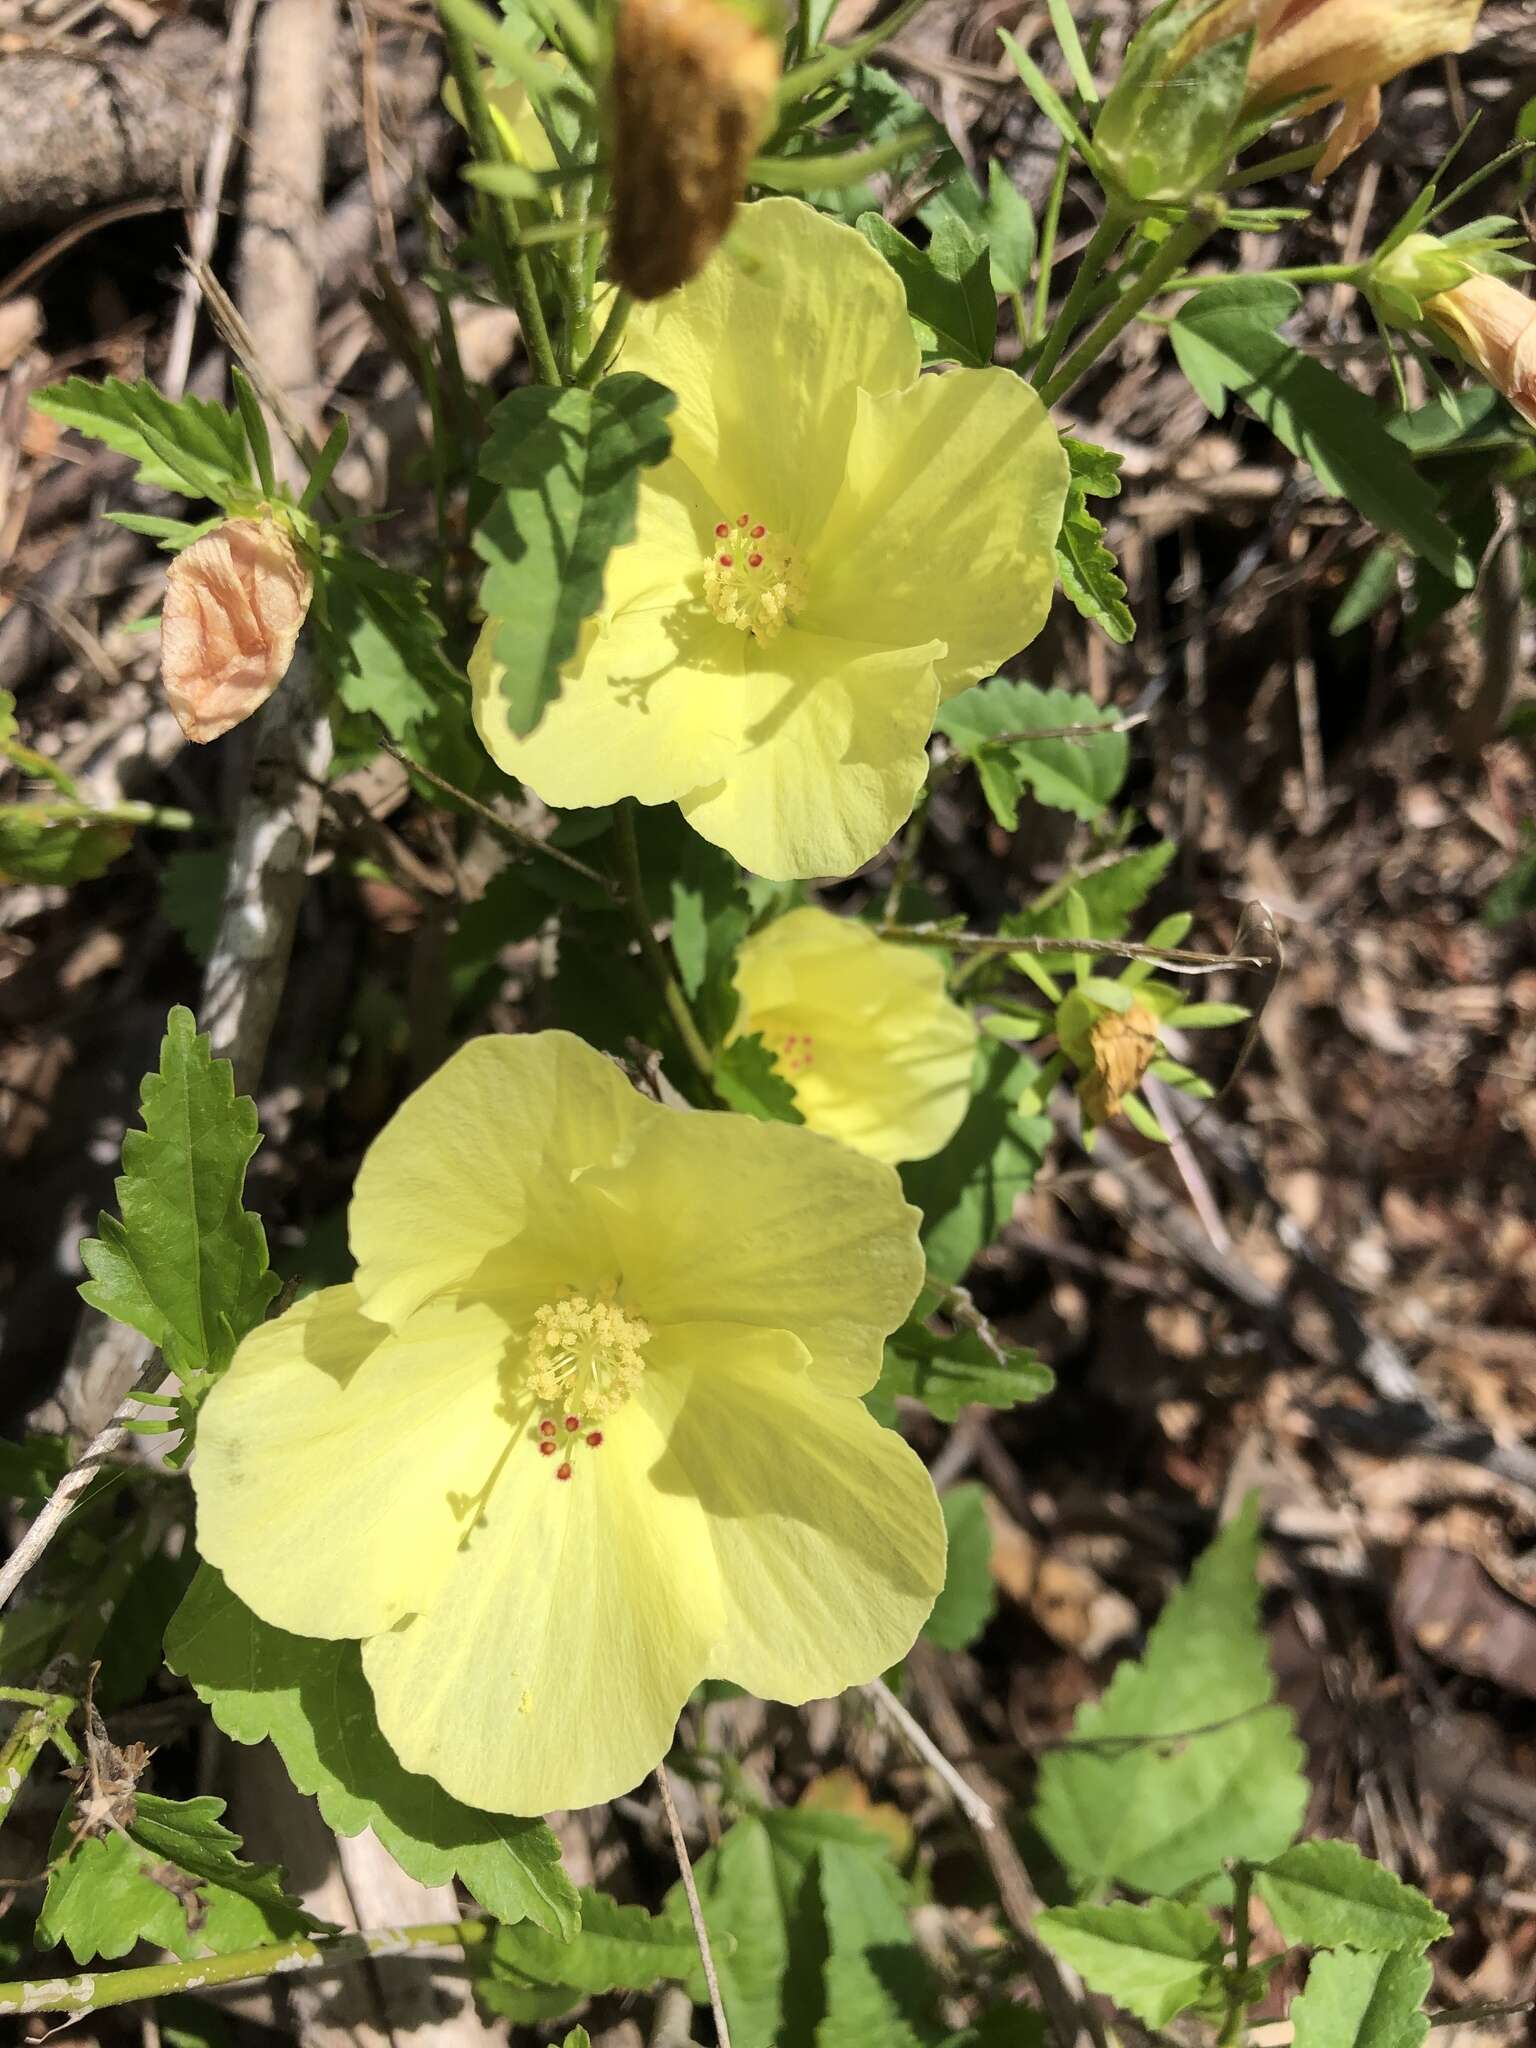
{"type": "Point", "coordinates": [834, 544]}
{"type": "Point", "coordinates": [863, 1030]}
{"type": "Point", "coordinates": [521, 1456]}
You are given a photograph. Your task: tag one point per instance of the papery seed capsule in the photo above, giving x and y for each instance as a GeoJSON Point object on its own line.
{"type": "Point", "coordinates": [234, 603]}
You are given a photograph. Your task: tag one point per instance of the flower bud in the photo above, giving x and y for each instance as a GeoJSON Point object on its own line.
{"type": "Point", "coordinates": [1122, 1048]}
{"type": "Point", "coordinates": [1165, 132]}
{"type": "Point", "coordinates": [691, 93]}
{"type": "Point", "coordinates": [1494, 327]}
{"type": "Point", "coordinates": [234, 603]}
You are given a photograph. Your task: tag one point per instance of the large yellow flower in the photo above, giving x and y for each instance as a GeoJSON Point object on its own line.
{"type": "Point", "coordinates": [863, 1031]}
{"type": "Point", "coordinates": [584, 1429]}
{"type": "Point", "coordinates": [833, 545]}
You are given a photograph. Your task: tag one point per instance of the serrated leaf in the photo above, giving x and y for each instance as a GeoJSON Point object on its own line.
{"type": "Point", "coordinates": [1327, 1893]}
{"type": "Point", "coordinates": [746, 1078]}
{"type": "Point", "coordinates": [380, 640]}
{"type": "Point", "coordinates": [1225, 341]}
{"type": "Point", "coordinates": [187, 1264]}
{"type": "Point", "coordinates": [1156, 1960]}
{"type": "Point", "coordinates": [180, 445]}
{"type": "Point", "coordinates": [1076, 775]}
{"type": "Point", "coordinates": [311, 1700]}
{"type": "Point", "coordinates": [762, 1904]}
{"type": "Point", "coordinates": [37, 847]}
{"type": "Point", "coordinates": [617, 1948]}
{"type": "Point", "coordinates": [1111, 896]}
{"type": "Point", "coordinates": [967, 1192]}
{"type": "Point", "coordinates": [1089, 575]}
{"type": "Point", "coordinates": [565, 466]}
{"type": "Point", "coordinates": [102, 1899]}
{"type": "Point", "coordinates": [968, 1598]}
{"type": "Point", "coordinates": [1189, 1762]}
{"type": "Point", "coordinates": [950, 299]}
{"type": "Point", "coordinates": [1362, 2001]}
{"type": "Point", "coordinates": [192, 895]}
{"type": "Point", "coordinates": [879, 1990]}
{"type": "Point", "coordinates": [950, 1373]}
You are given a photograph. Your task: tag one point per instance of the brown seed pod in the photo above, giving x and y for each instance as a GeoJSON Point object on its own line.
{"type": "Point", "coordinates": [691, 91]}
{"type": "Point", "coordinates": [1123, 1049]}
{"type": "Point", "coordinates": [234, 603]}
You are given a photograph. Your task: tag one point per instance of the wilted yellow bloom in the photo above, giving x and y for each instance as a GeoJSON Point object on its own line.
{"type": "Point", "coordinates": [863, 1031]}
{"type": "Point", "coordinates": [234, 603]}
{"type": "Point", "coordinates": [1494, 326]}
{"type": "Point", "coordinates": [584, 1430]}
{"type": "Point", "coordinates": [1122, 1047]}
{"type": "Point", "coordinates": [1337, 50]}
{"type": "Point", "coordinates": [691, 92]}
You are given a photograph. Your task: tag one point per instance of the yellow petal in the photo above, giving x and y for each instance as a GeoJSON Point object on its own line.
{"type": "Point", "coordinates": [556, 1655]}
{"type": "Point", "coordinates": [720, 1219]}
{"type": "Point", "coordinates": [473, 1182]}
{"type": "Point", "coordinates": [764, 349]}
{"type": "Point", "coordinates": [830, 1546]}
{"type": "Point", "coordinates": [331, 1454]}
{"type": "Point", "coordinates": [947, 522]}
{"type": "Point", "coordinates": [829, 758]}
{"type": "Point", "coordinates": [864, 1031]}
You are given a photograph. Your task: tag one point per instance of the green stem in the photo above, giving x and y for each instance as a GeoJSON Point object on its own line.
{"type": "Point", "coordinates": [606, 347]}
{"type": "Point", "coordinates": [1303, 273]}
{"type": "Point", "coordinates": [805, 35]}
{"type": "Point", "coordinates": [509, 260]}
{"type": "Point", "coordinates": [650, 945]}
{"type": "Point", "coordinates": [115, 814]}
{"type": "Point", "coordinates": [1050, 226]}
{"type": "Point", "coordinates": [800, 82]}
{"type": "Point", "coordinates": [1167, 263]}
{"type": "Point", "coordinates": [911, 842]}
{"type": "Point", "coordinates": [1274, 166]}
{"type": "Point", "coordinates": [1242, 1934]}
{"type": "Point", "coordinates": [94, 1990]}
{"type": "Point", "coordinates": [1105, 240]}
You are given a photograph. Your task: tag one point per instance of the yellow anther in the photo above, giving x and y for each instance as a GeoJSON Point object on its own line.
{"type": "Point", "coordinates": [585, 1356]}
{"type": "Point", "coordinates": [752, 578]}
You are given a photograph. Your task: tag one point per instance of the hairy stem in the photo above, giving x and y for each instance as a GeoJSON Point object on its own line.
{"type": "Point", "coordinates": [1167, 263]}
{"type": "Point", "coordinates": [1106, 238]}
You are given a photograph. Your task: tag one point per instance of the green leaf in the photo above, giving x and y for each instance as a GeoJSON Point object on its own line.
{"type": "Point", "coordinates": [30, 1470]}
{"type": "Point", "coordinates": [618, 1948]}
{"type": "Point", "coordinates": [1190, 1763]}
{"type": "Point", "coordinates": [1514, 894]}
{"type": "Point", "coordinates": [1090, 577]}
{"type": "Point", "coordinates": [1008, 227]}
{"type": "Point", "coordinates": [1166, 139]}
{"type": "Point", "coordinates": [35, 847]}
{"type": "Point", "coordinates": [879, 1990]}
{"type": "Point", "coordinates": [180, 445]}
{"type": "Point", "coordinates": [187, 1265]}
{"type": "Point", "coordinates": [380, 640]}
{"type": "Point", "coordinates": [746, 1078]}
{"type": "Point", "coordinates": [1225, 342]}
{"type": "Point", "coordinates": [119, 1888]}
{"type": "Point", "coordinates": [1111, 896]}
{"type": "Point", "coordinates": [1362, 2001]}
{"type": "Point", "coordinates": [565, 466]}
{"type": "Point", "coordinates": [760, 1890]}
{"type": "Point", "coordinates": [192, 895]}
{"type": "Point", "coordinates": [948, 286]}
{"type": "Point", "coordinates": [1076, 775]}
{"type": "Point", "coordinates": [968, 1191]}
{"type": "Point", "coordinates": [311, 1700]}
{"type": "Point", "coordinates": [968, 1599]}
{"type": "Point", "coordinates": [1156, 1960]}
{"type": "Point", "coordinates": [950, 1373]}
{"type": "Point", "coordinates": [1327, 1893]}
{"type": "Point", "coordinates": [578, 2037]}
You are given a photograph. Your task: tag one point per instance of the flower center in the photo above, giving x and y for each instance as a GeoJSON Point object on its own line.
{"type": "Point", "coordinates": [584, 1361]}
{"type": "Point", "coordinates": [793, 1051]}
{"type": "Point", "coordinates": [753, 579]}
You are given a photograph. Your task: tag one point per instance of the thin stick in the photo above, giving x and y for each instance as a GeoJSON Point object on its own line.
{"type": "Point", "coordinates": [510, 834]}
{"type": "Point", "coordinates": [1178, 958]}
{"type": "Point", "coordinates": [917, 1738]}
{"type": "Point", "coordinates": [700, 1931]}
{"type": "Point", "coordinates": [205, 225]}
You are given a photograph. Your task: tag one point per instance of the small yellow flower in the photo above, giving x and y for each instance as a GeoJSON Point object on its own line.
{"type": "Point", "coordinates": [833, 546]}
{"type": "Point", "coordinates": [1494, 327]}
{"type": "Point", "coordinates": [584, 1429]}
{"type": "Point", "coordinates": [234, 603]}
{"type": "Point", "coordinates": [1344, 50]}
{"type": "Point", "coordinates": [863, 1030]}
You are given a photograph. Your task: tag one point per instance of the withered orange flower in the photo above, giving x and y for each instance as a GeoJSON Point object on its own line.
{"type": "Point", "coordinates": [691, 92]}
{"type": "Point", "coordinates": [234, 603]}
{"type": "Point", "coordinates": [1123, 1047]}
{"type": "Point", "coordinates": [1494, 327]}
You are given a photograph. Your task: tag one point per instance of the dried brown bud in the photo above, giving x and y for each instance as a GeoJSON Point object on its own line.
{"type": "Point", "coordinates": [1494, 326]}
{"type": "Point", "coordinates": [1123, 1048]}
{"type": "Point", "coordinates": [692, 89]}
{"type": "Point", "coordinates": [234, 603]}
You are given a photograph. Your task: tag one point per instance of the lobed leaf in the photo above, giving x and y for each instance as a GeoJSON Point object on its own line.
{"type": "Point", "coordinates": [1077, 775]}
{"type": "Point", "coordinates": [1362, 2001]}
{"type": "Point", "coordinates": [950, 298]}
{"type": "Point", "coordinates": [182, 445]}
{"type": "Point", "coordinates": [1157, 1960]}
{"type": "Point", "coordinates": [1089, 575]}
{"type": "Point", "coordinates": [1327, 1893]}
